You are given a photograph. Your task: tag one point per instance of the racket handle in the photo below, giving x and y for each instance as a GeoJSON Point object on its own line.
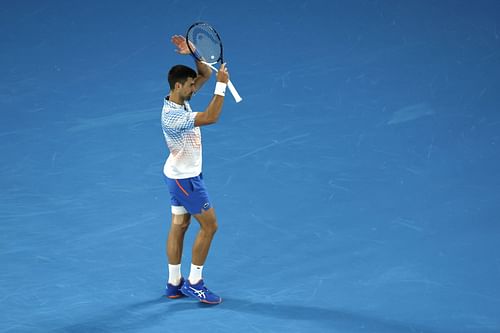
{"type": "Point", "coordinates": [230, 85]}
{"type": "Point", "coordinates": [234, 92]}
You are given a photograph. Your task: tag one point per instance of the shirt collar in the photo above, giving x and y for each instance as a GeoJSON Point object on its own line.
{"type": "Point", "coordinates": [173, 104]}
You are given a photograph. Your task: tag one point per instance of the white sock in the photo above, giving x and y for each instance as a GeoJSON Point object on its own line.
{"type": "Point", "coordinates": [195, 274]}
{"type": "Point", "coordinates": [174, 274]}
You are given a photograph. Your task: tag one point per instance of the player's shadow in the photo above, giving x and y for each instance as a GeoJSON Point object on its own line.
{"type": "Point", "coordinates": [332, 319]}
{"type": "Point", "coordinates": [140, 316]}
{"type": "Point", "coordinates": [133, 317]}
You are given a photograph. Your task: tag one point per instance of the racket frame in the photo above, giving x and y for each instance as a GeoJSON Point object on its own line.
{"type": "Point", "coordinates": [198, 57]}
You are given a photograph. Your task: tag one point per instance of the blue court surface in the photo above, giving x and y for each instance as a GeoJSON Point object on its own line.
{"type": "Point", "coordinates": [357, 186]}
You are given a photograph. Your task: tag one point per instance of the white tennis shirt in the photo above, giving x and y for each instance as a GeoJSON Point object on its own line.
{"type": "Point", "coordinates": [183, 140]}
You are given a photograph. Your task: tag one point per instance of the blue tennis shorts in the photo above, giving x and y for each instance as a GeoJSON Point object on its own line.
{"type": "Point", "coordinates": [188, 195]}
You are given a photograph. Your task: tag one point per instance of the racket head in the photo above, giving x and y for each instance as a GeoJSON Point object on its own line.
{"type": "Point", "coordinates": [204, 43]}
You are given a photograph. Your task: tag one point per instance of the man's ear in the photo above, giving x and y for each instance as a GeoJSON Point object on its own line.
{"type": "Point", "coordinates": [177, 85]}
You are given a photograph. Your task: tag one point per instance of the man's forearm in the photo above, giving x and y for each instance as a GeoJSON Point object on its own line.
{"type": "Point", "coordinates": [203, 70]}
{"type": "Point", "coordinates": [212, 112]}
{"type": "Point", "coordinates": [204, 73]}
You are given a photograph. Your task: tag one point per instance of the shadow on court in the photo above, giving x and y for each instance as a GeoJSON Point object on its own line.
{"type": "Point", "coordinates": [156, 312]}
{"type": "Point", "coordinates": [330, 319]}
{"type": "Point", "coordinates": [138, 316]}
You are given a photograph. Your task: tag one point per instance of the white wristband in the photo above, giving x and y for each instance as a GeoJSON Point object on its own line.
{"type": "Point", "coordinates": [220, 89]}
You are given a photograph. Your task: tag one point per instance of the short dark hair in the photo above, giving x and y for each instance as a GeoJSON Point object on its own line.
{"type": "Point", "coordinates": [180, 73]}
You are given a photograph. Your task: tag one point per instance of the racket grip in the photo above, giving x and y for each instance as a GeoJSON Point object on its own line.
{"type": "Point", "coordinates": [234, 92]}
{"type": "Point", "coordinates": [230, 85]}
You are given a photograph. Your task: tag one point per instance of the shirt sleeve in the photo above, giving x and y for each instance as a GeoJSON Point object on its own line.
{"type": "Point", "coordinates": [178, 120]}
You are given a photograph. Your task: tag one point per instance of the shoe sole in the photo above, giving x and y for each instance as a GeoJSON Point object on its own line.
{"type": "Point", "coordinates": [211, 303]}
{"type": "Point", "coordinates": [201, 300]}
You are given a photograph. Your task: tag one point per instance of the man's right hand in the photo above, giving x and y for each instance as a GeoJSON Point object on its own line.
{"type": "Point", "coordinates": [223, 74]}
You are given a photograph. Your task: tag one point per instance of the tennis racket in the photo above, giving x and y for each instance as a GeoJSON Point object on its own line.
{"type": "Point", "coordinates": [205, 45]}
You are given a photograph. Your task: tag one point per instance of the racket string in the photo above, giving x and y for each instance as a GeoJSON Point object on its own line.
{"type": "Point", "coordinates": [206, 42]}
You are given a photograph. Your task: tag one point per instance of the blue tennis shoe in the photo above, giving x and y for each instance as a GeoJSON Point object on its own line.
{"type": "Point", "coordinates": [174, 291]}
{"type": "Point", "coordinates": [200, 292]}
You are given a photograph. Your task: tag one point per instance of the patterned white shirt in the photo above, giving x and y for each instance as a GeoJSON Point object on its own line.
{"type": "Point", "coordinates": [183, 140]}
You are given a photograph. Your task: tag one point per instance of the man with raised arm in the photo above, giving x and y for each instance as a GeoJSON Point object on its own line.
{"type": "Point", "coordinates": [183, 172]}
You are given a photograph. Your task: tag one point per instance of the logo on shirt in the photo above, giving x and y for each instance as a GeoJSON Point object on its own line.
{"type": "Point", "coordinates": [206, 205]}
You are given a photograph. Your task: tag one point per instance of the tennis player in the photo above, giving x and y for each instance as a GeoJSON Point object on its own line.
{"type": "Point", "coordinates": [182, 171]}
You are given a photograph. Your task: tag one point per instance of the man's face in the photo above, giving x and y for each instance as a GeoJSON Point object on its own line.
{"type": "Point", "coordinates": [187, 89]}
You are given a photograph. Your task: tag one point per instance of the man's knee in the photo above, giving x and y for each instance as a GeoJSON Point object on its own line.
{"type": "Point", "coordinates": [209, 225]}
{"type": "Point", "coordinates": [212, 227]}
{"type": "Point", "coordinates": [208, 221]}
